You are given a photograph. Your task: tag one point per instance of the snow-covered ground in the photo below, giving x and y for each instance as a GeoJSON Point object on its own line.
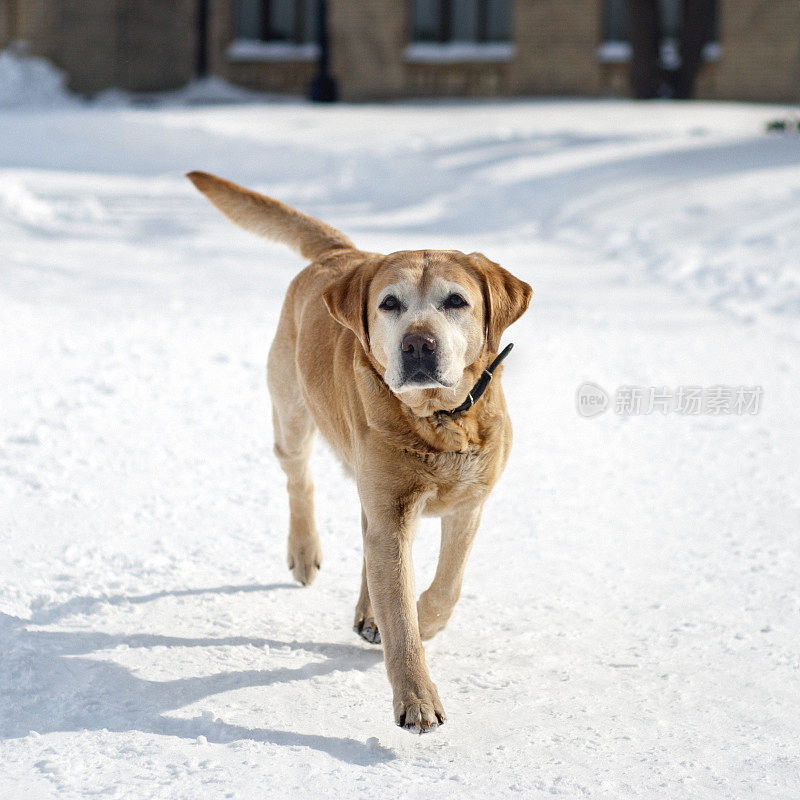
{"type": "Point", "coordinates": [630, 622]}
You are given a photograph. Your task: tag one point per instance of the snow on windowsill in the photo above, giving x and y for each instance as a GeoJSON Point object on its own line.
{"type": "Point", "coordinates": [619, 52]}
{"type": "Point", "coordinates": [458, 52]}
{"type": "Point", "coordinates": [712, 51]}
{"type": "Point", "coordinates": [614, 52]}
{"type": "Point", "coordinates": [255, 50]}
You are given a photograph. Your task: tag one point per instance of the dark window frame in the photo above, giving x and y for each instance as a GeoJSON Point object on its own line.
{"type": "Point", "coordinates": [609, 13]}
{"type": "Point", "coordinates": [298, 23]}
{"type": "Point", "coordinates": [446, 27]}
{"type": "Point", "coordinates": [300, 30]}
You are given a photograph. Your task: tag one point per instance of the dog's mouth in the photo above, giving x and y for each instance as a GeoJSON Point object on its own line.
{"type": "Point", "coordinates": [420, 379]}
{"type": "Point", "coordinates": [420, 376]}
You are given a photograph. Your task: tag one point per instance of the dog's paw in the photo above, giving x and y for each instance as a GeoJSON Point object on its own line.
{"type": "Point", "coordinates": [419, 710]}
{"type": "Point", "coordinates": [367, 628]}
{"type": "Point", "coordinates": [432, 618]}
{"type": "Point", "coordinates": [305, 559]}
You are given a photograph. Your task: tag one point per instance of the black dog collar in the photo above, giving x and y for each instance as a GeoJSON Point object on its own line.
{"type": "Point", "coordinates": [480, 387]}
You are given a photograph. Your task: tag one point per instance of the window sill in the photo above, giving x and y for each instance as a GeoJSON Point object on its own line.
{"type": "Point", "coordinates": [458, 52]}
{"type": "Point", "coordinates": [255, 50]}
{"type": "Point", "coordinates": [618, 52]}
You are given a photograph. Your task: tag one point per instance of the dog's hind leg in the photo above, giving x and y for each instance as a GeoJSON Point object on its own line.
{"type": "Point", "coordinates": [437, 602]}
{"type": "Point", "coordinates": [364, 623]}
{"type": "Point", "coordinates": [294, 434]}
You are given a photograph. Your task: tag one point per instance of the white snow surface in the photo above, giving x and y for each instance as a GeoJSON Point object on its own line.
{"type": "Point", "coordinates": [630, 620]}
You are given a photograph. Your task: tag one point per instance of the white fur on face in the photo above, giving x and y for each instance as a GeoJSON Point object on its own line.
{"type": "Point", "coordinates": [457, 331]}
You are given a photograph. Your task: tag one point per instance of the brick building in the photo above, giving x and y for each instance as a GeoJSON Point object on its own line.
{"type": "Point", "coordinates": [382, 49]}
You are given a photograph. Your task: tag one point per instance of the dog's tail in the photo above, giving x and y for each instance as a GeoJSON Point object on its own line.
{"type": "Point", "coordinates": [270, 218]}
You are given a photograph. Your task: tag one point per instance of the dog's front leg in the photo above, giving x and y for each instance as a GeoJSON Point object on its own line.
{"type": "Point", "coordinates": [388, 537]}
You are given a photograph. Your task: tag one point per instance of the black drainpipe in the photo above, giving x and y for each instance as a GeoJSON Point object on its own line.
{"type": "Point", "coordinates": [323, 86]}
{"type": "Point", "coordinates": [201, 64]}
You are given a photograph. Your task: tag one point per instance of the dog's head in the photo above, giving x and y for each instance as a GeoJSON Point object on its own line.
{"type": "Point", "coordinates": [423, 316]}
{"type": "Point", "coordinates": [426, 315]}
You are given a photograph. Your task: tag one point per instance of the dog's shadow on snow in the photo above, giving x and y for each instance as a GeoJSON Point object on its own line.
{"type": "Point", "coordinates": [51, 688]}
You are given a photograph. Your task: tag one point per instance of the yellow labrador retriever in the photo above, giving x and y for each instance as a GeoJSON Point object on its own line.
{"type": "Point", "coordinates": [391, 357]}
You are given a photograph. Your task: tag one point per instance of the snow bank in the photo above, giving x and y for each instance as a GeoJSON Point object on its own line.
{"type": "Point", "coordinates": [26, 81]}
{"type": "Point", "coordinates": [30, 82]}
{"type": "Point", "coordinates": [211, 90]}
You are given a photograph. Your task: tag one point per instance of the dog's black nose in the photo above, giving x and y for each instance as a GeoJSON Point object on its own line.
{"type": "Point", "coordinates": [419, 357]}
{"type": "Point", "coordinates": [418, 345]}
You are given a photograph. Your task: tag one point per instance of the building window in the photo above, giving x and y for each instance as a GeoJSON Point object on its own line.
{"type": "Point", "coordinates": [275, 30]}
{"type": "Point", "coordinates": [615, 21]}
{"type": "Point", "coordinates": [289, 21]}
{"type": "Point", "coordinates": [616, 37]}
{"type": "Point", "coordinates": [476, 21]}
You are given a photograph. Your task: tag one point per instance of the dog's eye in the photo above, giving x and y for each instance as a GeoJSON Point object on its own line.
{"type": "Point", "coordinates": [455, 301]}
{"type": "Point", "coordinates": [390, 303]}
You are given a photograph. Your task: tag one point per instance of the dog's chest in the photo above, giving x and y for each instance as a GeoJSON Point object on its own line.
{"type": "Point", "coordinates": [457, 478]}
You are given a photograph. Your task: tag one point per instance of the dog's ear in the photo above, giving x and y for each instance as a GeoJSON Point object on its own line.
{"type": "Point", "coordinates": [346, 299]}
{"type": "Point", "coordinates": [505, 298]}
